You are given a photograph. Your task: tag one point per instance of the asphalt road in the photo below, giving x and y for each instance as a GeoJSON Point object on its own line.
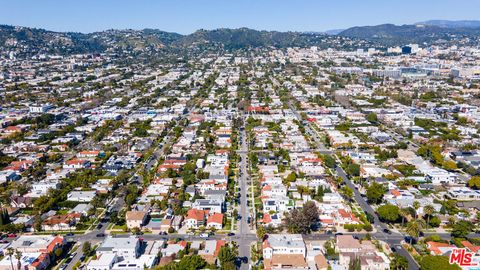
{"type": "Point", "coordinates": [245, 239]}
{"type": "Point", "coordinates": [393, 239]}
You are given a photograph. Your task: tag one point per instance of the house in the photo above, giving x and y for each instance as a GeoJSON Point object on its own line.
{"type": "Point", "coordinates": [6, 176]}
{"type": "Point", "coordinates": [284, 251]}
{"type": "Point", "coordinates": [210, 205]}
{"type": "Point", "coordinates": [437, 248]}
{"type": "Point", "coordinates": [276, 244]}
{"type": "Point", "coordinates": [135, 219]}
{"type": "Point", "coordinates": [173, 248]}
{"type": "Point", "coordinates": [76, 164]}
{"type": "Point", "coordinates": [103, 262]}
{"type": "Point", "coordinates": [125, 247]}
{"type": "Point", "coordinates": [30, 261]}
{"type": "Point", "coordinates": [61, 222]}
{"type": "Point", "coordinates": [273, 220]}
{"type": "Point", "coordinates": [195, 218]}
{"type": "Point", "coordinates": [21, 201]}
{"type": "Point", "coordinates": [440, 177]}
{"type": "Point", "coordinates": [463, 194]}
{"type": "Point", "coordinates": [215, 220]}
{"type": "Point", "coordinates": [81, 196]}
{"type": "Point", "coordinates": [88, 154]}
{"type": "Point", "coordinates": [37, 243]}
{"type": "Point", "coordinates": [211, 249]}
{"type": "Point", "coordinates": [350, 249]}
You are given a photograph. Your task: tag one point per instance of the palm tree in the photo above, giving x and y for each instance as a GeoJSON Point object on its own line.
{"type": "Point", "coordinates": [414, 228]}
{"type": "Point", "coordinates": [416, 205]}
{"type": "Point", "coordinates": [10, 253]}
{"type": "Point", "coordinates": [404, 213]}
{"type": "Point", "coordinates": [18, 256]}
{"type": "Point", "coordinates": [428, 210]}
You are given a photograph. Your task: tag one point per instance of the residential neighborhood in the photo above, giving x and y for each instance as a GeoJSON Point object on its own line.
{"type": "Point", "coordinates": [346, 154]}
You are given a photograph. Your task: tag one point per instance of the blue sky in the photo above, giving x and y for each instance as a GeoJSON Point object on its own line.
{"type": "Point", "coordinates": [186, 16]}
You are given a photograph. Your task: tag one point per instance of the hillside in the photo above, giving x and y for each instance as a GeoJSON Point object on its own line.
{"type": "Point", "coordinates": [390, 34]}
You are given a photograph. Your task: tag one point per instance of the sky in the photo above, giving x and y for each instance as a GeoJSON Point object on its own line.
{"type": "Point", "coordinates": [187, 16]}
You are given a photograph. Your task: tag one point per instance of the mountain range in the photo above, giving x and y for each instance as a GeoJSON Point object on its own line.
{"type": "Point", "coordinates": [451, 24]}
{"type": "Point", "coordinates": [34, 40]}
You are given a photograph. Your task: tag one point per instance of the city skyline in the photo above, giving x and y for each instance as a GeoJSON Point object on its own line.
{"type": "Point", "coordinates": [188, 16]}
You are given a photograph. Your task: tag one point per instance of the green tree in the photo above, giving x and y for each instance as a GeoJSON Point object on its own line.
{"type": "Point", "coordinates": [431, 262]}
{"type": "Point", "coordinates": [18, 257]}
{"type": "Point", "coordinates": [404, 213]}
{"type": "Point", "coordinates": [347, 192]}
{"type": "Point", "coordinates": [10, 252]}
{"type": "Point", "coordinates": [414, 228]}
{"type": "Point", "coordinates": [375, 193]}
{"type": "Point", "coordinates": [329, 161]}
{"type": "Point", "coordinates": [86, 248]}
{"type": "Point", "coordinates": [261, 232]}
{"type": "Point", "coordinates": [449, 165]}
{"type": "Point", "coordinates": [398, 263]}
{"type": "Point", "coordinates": [292, 177]}
{"type": "Point", "coordinates": [428, 210]}
{"type": "Point", "coordinates": [353, 169]}
{"type": "Point", "coordinates": [462, 228]}
{"type": "Point", "coordinates": [435, 222]}
{"type": "Point", "coordinates": [372, 118]}
{"type": "Point", "coordinates": [355, 264]}
{"type": "Point", "coordinates": [227, 255]}
{"type": "Point", "coordinates": [474, 182]}
{"type": "Point", "coordinates": [388, 212]}
{"type": "Point", "coordinates": [192, 262]}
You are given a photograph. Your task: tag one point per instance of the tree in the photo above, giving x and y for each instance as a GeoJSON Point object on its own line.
{"type": "Point", "coordinates": [18, 257]}
{"type": "Point", "coordinates": [414, 228]}
{"type": "Point", "coordinates": [404, 213]}
{"type": "Point", "coordinates": [430, 262]}
{"type": "Point", "coordinates": [449, 165]}
{"type": "Point", "coordinates": [428, 210]}
{"type": "Point", "coordinates": [192, 262]}
{"type": "Point", "coordinates": [347, 192]}
{"type": "Point", "coordinates": [58, 252]}
{"type": "Point", "coordinates": [353, 169]}
{"type": "Point", "coordinates": [462, 228]}
{"type": "Point", "coordinates": [310, 210]}
{"type": "Point", "coordinates": [416, 206]}
{"type": "Point", "coordinates": [261, 232]}
{"type": "Point", "coordinates": [375, 193]}
{"type": "Point", "coordinates": [302, 190]}
{"type": "Point", "coordinates": [435, 222]}
{"type": "Point", "coordinates": [388, 212]}
{"type": "Point", "coordinates": [329, 161]}
{"type": "Point", "coordinates": [355, 264]}
{"type": "Point", "coordinates": [86, 248]}
{"type": "Point", "coordinates": [227, 255]}
{"type": "Point", "coordinates": [10, 253]}
{"type": "Point", "coordinates": [474, 182]}
{"type": "Point", "coordinates": [372, 118]}
{"type": "Point", "coordinates": [292, 177]}
{"type": "Point", "coordinates": [302, 220]}
{"type": "Point", "coordinates": [398, 263]}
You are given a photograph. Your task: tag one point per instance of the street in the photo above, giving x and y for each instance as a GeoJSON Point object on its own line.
{"type": "Point", "coordinates": [245, 237]}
